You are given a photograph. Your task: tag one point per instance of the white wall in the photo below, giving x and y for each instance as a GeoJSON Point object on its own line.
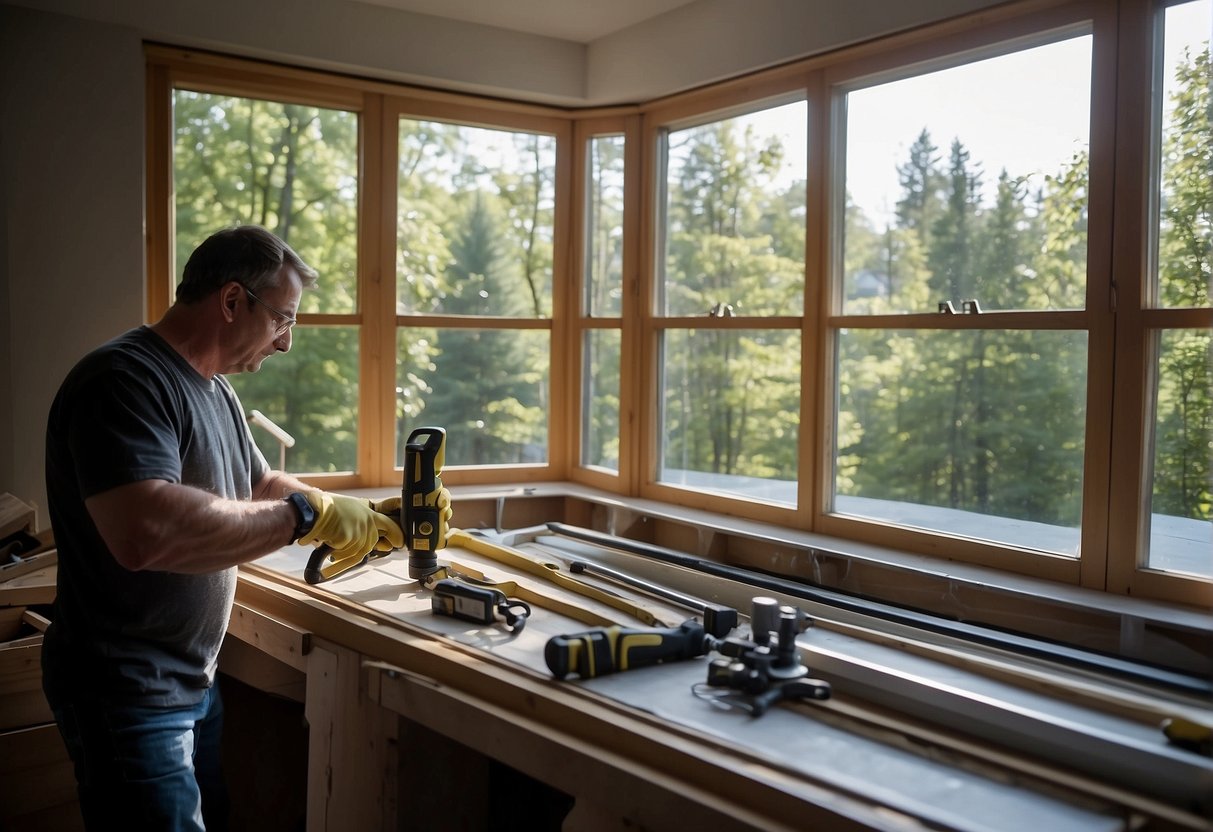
{"type": "Point", "coordinates": [711, 40]}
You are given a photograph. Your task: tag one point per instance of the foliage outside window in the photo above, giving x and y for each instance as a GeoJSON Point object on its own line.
{"type": "Point", "coordinates": [601, 349]}
{"type": "Point", "coordinates": [294, 170]}
{"type": "Point", "coordinates": [474, 238]}
{"type": "Point", "coordinates": [1181, 515]}
{"type": "Point", "coordinates": [734, 247]}
{"type": "Point", "coordinates": [957, 202]}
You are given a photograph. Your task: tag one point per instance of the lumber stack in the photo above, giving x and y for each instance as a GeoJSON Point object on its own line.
{"type": "Point", "coordinates": [37, 786]}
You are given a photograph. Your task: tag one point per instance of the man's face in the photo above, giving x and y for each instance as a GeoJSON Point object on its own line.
{"type": "Point", "coordinates": [268, 319]}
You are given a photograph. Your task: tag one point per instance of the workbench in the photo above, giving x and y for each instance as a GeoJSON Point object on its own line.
{"type": "Point", "coordinates": [394, 696]}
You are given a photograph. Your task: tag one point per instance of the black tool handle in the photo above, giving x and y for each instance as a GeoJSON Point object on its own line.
{"type": "Point", "coordinates": [311, 572]}
{"type": "Point", "coordinates": [612, 649]}
{"type": "Point", "coordinates": [424, 529]}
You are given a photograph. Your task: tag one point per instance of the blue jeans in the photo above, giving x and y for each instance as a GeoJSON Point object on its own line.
{"type": "Point", "coordinates": [147, 768]}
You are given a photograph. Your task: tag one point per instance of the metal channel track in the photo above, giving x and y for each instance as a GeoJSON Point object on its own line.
{"type": "Point", "coordinates": [1103, 665]}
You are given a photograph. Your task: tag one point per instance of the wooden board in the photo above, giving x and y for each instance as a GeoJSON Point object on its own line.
{"type": "Point", "coordinates": [22, 702]}
{"type": "Point", "coordinates": [32, 563]}
{"type": "Point", "coordinates": [37, 783]}
{"type": "Point", "coordinates": [28, 590]}
{"type": "Point", "coordinates": [15, 516]}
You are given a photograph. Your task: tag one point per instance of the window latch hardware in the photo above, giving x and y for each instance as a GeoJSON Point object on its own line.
{"type": "Point", "coordinates": [946, 307]}
{"type": "Point", "coordinates": [721, 310]}
{"type": "Point", "coordinates": [971, 307]}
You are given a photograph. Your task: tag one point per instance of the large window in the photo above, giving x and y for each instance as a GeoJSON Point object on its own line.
{"type": "Point", "coordinates": [964, 211]}
{"type": "Point", "coordinates": [730, 301]}
{"type": "Point", "coordinates": [1180, 519]}
{"type": "Point", "coordinates": [945, 293]}
{"type": "Point", "coordinates": [292, 168]}
{"type": "Point", "coordinates": [474, 246]}
{"type": "Point", "coordinates": [601, 308]}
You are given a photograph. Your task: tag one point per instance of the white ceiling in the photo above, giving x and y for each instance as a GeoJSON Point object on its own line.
{"type": "Point", "coordinates": [581, 21]}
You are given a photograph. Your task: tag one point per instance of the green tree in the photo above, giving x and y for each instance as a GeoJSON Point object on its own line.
{"type": "Point", "coordinates": [486, 386]}
{"type": "Point", "coordinates": [731, 397]}
{"type": "Point", "coordinates": [292, 169]}
{"type": "Point", "coordinates": [1183, 435]}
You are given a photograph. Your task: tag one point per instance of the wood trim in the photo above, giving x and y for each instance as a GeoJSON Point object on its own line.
{"type": "Point", "coordinates": [1128, 497]}
{"type": "Point", "coordinates": [1036, 319]}
{"type": "Point", "coordinates": [160, 232]}
{"type": "Point", "coordinates": [645, 338]}
{"type": "Point", "coordinates": [376, 304]}
{"type": "Point", "coordinates": [1093, 553]}
{"type": "Point", "coordinates": [471, 322]}
{"type": "Point", "coordinates": [632, 358]}
{"type": "Point", "coordinates": [986, 33]}
{"type": "Point", "coordinates": [816, 479]}
{"type": "Point", "coordinates": [572, 408]}
{"type": "Point", "coordinates": [276, 79]}
{"type": "Point", "coordinates": [562, 349]}
{"type": "Point", "coordinates": [950, 547]}
{"type": "Point", "coordinates": [280, 640]}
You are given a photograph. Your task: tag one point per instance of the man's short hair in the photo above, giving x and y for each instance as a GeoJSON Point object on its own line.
{"type": "Point", "coordinates": [248, 254]}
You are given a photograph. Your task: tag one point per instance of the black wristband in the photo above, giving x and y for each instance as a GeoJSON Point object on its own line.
{"type": "Point", "coordinates": [307, 514]}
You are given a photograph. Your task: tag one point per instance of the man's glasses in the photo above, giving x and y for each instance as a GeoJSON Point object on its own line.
{"type": "Point", "coordinates": [287, 320]}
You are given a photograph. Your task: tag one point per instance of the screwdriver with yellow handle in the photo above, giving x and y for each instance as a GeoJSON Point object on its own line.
{"type": "Point", "coordinates": [611, 649]}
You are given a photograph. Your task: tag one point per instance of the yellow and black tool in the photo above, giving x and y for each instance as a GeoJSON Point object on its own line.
{"type": "Point", "coordinates": [612, 649]}
{"type": "Point", "coordinates": [423, 522]}
{"type": "Point", "coordinates": [421, 517]}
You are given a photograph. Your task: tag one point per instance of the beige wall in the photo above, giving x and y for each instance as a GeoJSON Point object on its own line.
{"type": "Point", "coordinates": [71, 131]}
{"type": "Point", "coordinates": [71, 249]}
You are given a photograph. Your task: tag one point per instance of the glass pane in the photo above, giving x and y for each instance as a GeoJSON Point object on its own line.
{"type": "Point", "coordinates": [310, 392]}
{"type": "Point", "coordinates": [604, 228]}
{"type": "Point", "coordinates": [972, 433]}
{"type": "Point", "coordinates": [475, 221]}
{"type": "Point", "coordinates": [731, 412]}
{"type": "Point", "coordinates": [1185, 235]}
{"type": "Point", "coordinates": [1181, 521]}
{"type": "Point", "coordinates": [971, 183]}
{"type": "Point", "coordinates": [600, 398]}
{"type": "Point", "coordinates": [735, 215]}
{"type": "Point", "coordinates": [290, 168]}
{"type": "Point", "coordinates": [488, 387]}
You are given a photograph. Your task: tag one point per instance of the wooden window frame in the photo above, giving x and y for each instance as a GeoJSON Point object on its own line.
{"type": "Point", "coordinates": [1117, 318]}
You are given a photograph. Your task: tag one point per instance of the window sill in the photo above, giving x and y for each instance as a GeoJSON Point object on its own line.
{"type": "Point", "coordinates": [1153, 632]}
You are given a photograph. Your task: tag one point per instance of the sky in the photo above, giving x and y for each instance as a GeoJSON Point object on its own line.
{"type": "Point", "coordinates": [1027, 112]}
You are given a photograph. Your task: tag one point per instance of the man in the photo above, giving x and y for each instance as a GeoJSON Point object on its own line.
{"type": "Point", "coordinates": [156, 492]}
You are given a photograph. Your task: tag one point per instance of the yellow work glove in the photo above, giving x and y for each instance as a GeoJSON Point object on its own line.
{"type": "Point", "coordinates": [350, 526]}
{"type": "Point", "coordinates": [391, 507]}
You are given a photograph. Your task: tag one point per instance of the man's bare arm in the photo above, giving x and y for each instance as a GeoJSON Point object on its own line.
{"type": "Point", "coordinates": [277, 484]}
{"type": "Point", "coordinates": [154, 524]}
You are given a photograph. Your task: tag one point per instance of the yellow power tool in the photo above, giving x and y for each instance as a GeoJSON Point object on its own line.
{"type": "Point", "coordinates": [421, 518]}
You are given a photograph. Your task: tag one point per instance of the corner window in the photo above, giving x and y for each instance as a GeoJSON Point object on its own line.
{"type": "Point", "coordinates": [961, 378]}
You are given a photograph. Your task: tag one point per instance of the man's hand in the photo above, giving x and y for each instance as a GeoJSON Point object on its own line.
{"type": "Point", "coordinates": [351, 526]}
{"type": "Point", "coordinates": [391, 507]}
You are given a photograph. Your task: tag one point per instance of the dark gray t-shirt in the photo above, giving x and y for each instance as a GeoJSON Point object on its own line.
{"type": "Point", "coordinates": [134, 409]}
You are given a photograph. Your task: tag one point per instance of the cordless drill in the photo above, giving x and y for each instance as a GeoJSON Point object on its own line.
{"type": "Point", "coordinates": [421, 516]}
